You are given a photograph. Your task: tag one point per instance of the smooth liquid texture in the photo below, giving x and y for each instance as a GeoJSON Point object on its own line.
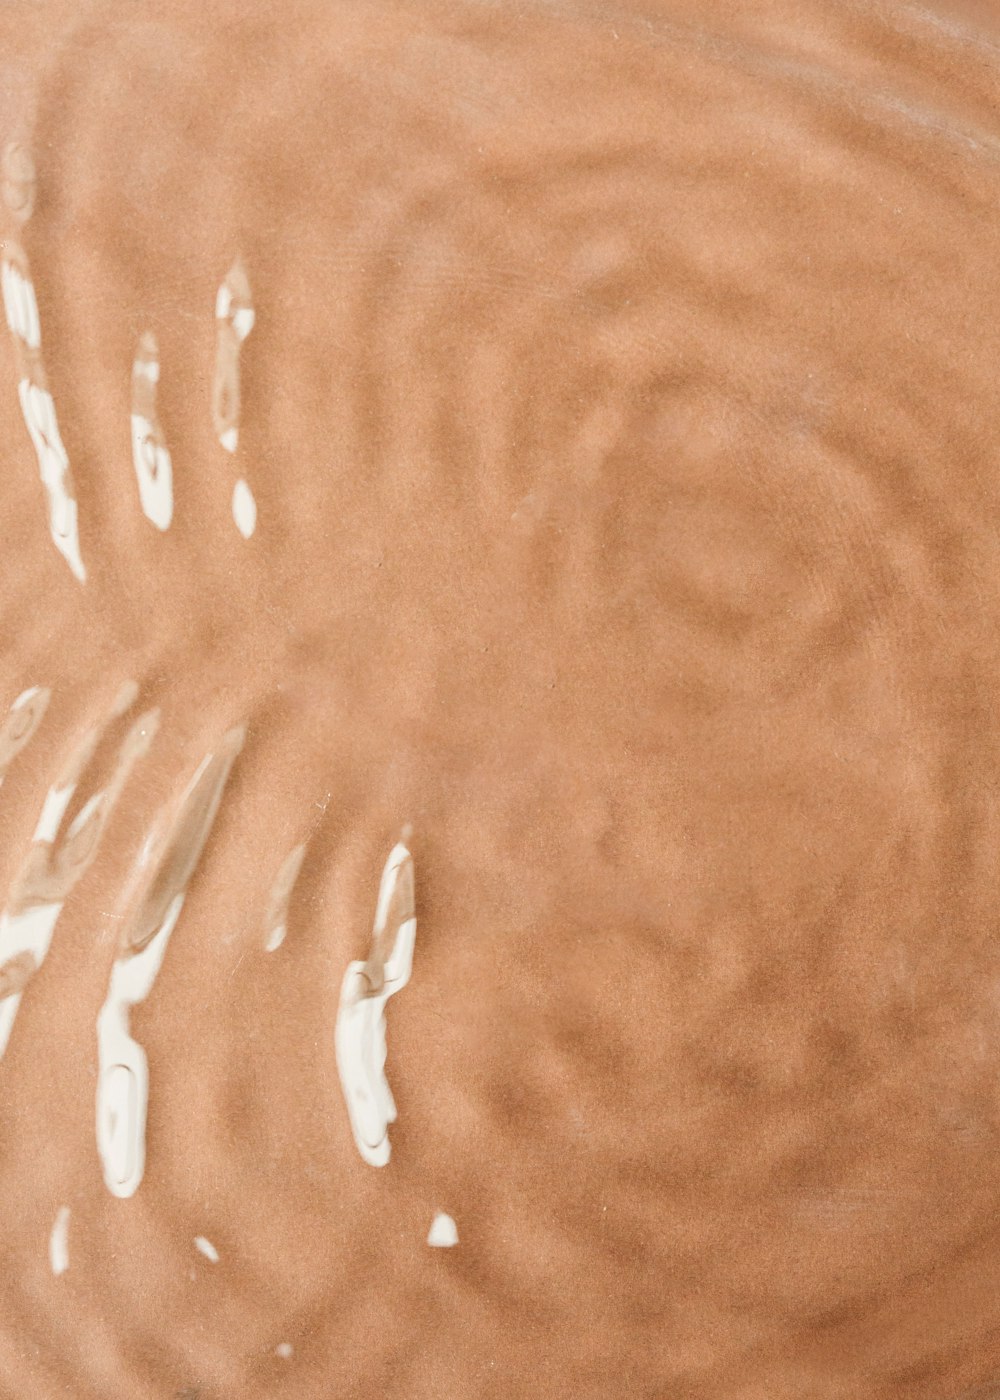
{"type": "Point", "coordinates": [621, 414]}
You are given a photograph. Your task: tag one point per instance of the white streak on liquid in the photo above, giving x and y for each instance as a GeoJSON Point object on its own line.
{"type": "Point", "coordinates": [155, 477]}
{"type": "Point", "coordinates": [359, 1035]}
{"type": "Point", "coordinates": [59, 1242]}
{"type": "Point", "coordinates": [21, 306]}
{"type": "Point", "coordinates": [40, 419]}
{"type": "Point", "coordinates": [21, 310]}
{"type": "Point", "coordinates": [207, 1248]}
{"type": "Point", "coordinates": [244, 509]}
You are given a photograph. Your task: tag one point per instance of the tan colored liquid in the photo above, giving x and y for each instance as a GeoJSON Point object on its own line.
{"type": "Point", "coordinates": [621, 415]}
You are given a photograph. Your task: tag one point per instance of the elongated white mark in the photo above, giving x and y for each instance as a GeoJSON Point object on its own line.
{"type": "Point", "coordinates": [21, 306]}
{"type": "Point", "coordinates": [207, 1248]}
{"type": "Point", "coordinates": [285, 1350]}
{"type": "Point", "coordinates": [165, 868]}
{"type": "Point", "coordinates": [234, 319]}
{"type": "Point", "coordinates": [360, 1032]}
{"type": "Point", "coordinates": [53, 465]}
{"type": "Point", "coordinates": [244, 509]}
{"type": "Point", "coordinates": [56, 859]}
{"type": "Point", "coordinates": [443, 1233]}
{"type": "Point", "coordinates": [276, 918]}
{"type": "Point", "coordinates": [17, 189]}
{"type": "Point", "coordinates": [23, 718]}
{"type": "Point", "coordinates": [150, 457]}
{"type": "Point", "coordinates": [59, 1242]}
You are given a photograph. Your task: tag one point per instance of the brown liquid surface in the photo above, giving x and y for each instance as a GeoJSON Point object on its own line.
{"type": "Point", "coordinates": [621, 412]}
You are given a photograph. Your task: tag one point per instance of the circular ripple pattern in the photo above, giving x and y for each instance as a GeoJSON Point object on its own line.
{"type": "Point", "coordinates": [620, 412]}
